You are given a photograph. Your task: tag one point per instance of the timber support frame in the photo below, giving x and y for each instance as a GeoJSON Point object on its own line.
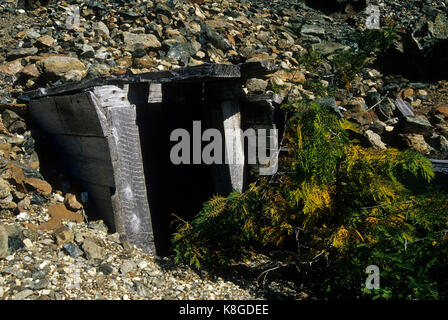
{"type": "Point", "coordinates": [108, 129]}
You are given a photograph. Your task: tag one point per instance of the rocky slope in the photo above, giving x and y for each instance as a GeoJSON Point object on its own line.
{"type": "Point", "coordinates": [48, 249]}
{"type": "Point", "coordinates": [50, 45]}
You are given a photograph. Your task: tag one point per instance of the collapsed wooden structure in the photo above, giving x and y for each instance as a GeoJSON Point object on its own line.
{"type": "Point", "coordinates": [114, 131]}
{"type": "Point", "coordinates": [113, 134]}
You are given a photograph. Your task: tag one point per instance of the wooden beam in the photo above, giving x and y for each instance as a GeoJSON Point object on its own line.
{"type": "Point", "coordinates": [222, 112]}
{"type": "Point", "coordinates": [93, 122]}
{"type": "Point", "coordinates": [233, 143]}
{"type": "Point", "coordinates": [130, 200]}
{"type": "Point", "coordinates": [67, 115]}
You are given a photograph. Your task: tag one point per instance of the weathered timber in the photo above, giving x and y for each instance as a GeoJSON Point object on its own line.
{"type": "Point", "coordinates": [440, 165]}
{"type": "Point", "coordinates": [68, 115]}
{"type": "Point", "coordinates": [95, 148]}
{"type": "Point", "coordinates": [113, 134]}
{"type": "Point", "coordinates": [223, 112]}
{"type": "Point", "coordinates": [130, 197]}
{"type": "Point", "coordinates": [234, 150]}
{"type": "Point", "coordinates": [205, 72]}
{"type": "Point", "coordinates": [258, 114]}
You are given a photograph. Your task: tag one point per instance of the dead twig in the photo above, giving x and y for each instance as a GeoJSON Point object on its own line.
{"type": "Point", "coordinates": [266, 272]}
{"type": "Point", "coordinates": [379, 102]}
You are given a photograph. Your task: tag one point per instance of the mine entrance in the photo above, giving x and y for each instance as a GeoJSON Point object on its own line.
{"type": "Point", "coordinates": [183, 188]}
{"type": "Point", "coordinates": [116, 133]}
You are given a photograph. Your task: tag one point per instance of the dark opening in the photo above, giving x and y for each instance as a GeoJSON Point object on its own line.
{"type": "Point", "coordinates": [412, 64]}
{"type": "Point", "coordinates": [179, 189]}
{"type": "Point", "coordinates": [334, 6]}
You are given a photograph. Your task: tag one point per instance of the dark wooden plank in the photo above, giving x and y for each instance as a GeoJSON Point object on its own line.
{"type": "Point", "coordinates": [258, 68]}
{"type": "Point", "coordinates": [95, 148]}
{"type": "Point", "coordinates": [195, 73]}
{"type": "Point", "coordinates": [69, 115]}
{"type": "Point", "coordinates": [43, 112]}
{"type": "Point", "coordinates": [203, 72]}
{"type": "Point", "coordinates": [90, 170]}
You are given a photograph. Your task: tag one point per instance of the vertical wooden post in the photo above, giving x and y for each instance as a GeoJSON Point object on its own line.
{"type": "Point", "coordinates": [233, 139]}
{"type": "Point", "coordinates": [222, 111]}
{"type": "Point", "coordinates": [117, 112]}
{"type": "Point", "coordinates": [131, 198]}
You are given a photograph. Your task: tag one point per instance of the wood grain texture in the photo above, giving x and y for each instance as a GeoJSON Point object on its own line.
{"type": "Point", "coordinates": [233, 143]}
{"type": "Point", "coordinates": [111, 95]}
{"type": "Point", "coordinates": [95, 148]}
{"type": "Point", "coordinates": [155, 93]}
{"type": "Point", "coordinates": [68, 115]}
{"type": "Point", "coordinates": [131, 197]}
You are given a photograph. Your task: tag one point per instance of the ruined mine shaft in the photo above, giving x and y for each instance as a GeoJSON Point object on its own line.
{"type": "Point", "coordinates": [113, 136]}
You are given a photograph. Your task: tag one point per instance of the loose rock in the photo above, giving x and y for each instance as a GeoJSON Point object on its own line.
{"type": "Point", "coordinates": [56, 67]}
{"type": "Point", "coordinates": [92, 250]}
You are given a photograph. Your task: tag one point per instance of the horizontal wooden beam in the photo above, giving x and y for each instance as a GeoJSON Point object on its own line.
{"type": "Point", "coordinates": [204, 72]}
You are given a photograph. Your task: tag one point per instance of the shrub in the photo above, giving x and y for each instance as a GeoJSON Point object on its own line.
{"type": "Point", "coordinates": [410, 249]}
{"type": "Point", "coordinates": [342, 208]}
{"type": "Point", "coordinates": [368, 44]}
{"type": "Point", "coordinates": [311, 60]}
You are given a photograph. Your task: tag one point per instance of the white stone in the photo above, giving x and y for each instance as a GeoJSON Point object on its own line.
{"type": "Point", "coordinates": [199, 13]}
{"type": "Point", "coordinates": [28, 243]}
{"type": "Point", "coordinates": [285, 64]}
{"type": "Point", "coordinates": [200, 54]}
{"type": "Point", "coordinates": [44, 264]}
{"type": "Point", "coordinates": [115, 237]}
{"type": "Point", "coordinates": [102, 54]}
{"type": "Point", "coordinates": [58, 197]}
{"type": "Point", "coordinates": [91, 271]}
{"type": "Point", "coordinates": [23, 216]}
